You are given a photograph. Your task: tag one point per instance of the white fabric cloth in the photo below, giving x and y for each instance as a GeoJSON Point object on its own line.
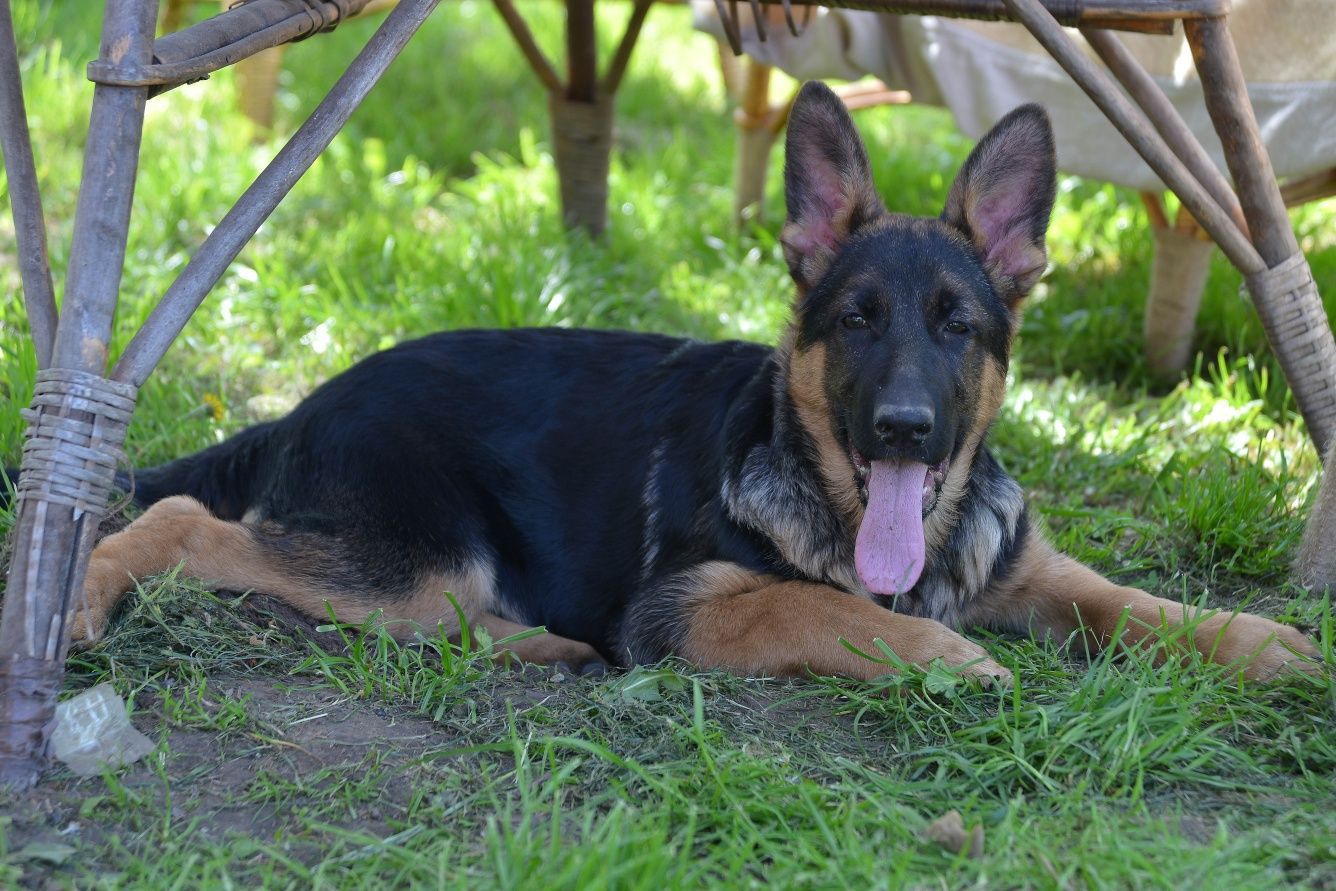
{"type": "Point", "coordinates": [981, 70]}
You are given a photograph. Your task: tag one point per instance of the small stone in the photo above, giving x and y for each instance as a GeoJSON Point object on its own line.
{"type": "Point", "coordinates": [949, 831]}
{"type": "Point", "coordinates": [93, 731]}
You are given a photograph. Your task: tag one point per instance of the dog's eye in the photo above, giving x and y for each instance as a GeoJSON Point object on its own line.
{"type": "Point", "coordinates": [957, 327]}
{"type": "Point", "coordinates": [853, 320]}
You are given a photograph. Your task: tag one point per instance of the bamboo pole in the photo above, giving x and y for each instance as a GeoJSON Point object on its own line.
{"type": "Point", "coordinates": [54, 534]}
{"type": "Point", "coordinates": [1166, 119]}
{"type": "Point", "coordinates": [1138, 130]}
{"type": "Point", "coordinates": [1284, 294]}
{"type": "Point", "coordinates": [227, 239]}
{"type": "Point", "coordinates": [24, 198]}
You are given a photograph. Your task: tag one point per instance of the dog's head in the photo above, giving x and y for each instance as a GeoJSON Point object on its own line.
{"type": "Point", "coordinates": [903, 325]}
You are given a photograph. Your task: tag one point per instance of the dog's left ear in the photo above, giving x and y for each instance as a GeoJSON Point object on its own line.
{"type": "Point", "coordinates": [1003, 197]}
{"type": "Point", "coordinates": [827, 183]}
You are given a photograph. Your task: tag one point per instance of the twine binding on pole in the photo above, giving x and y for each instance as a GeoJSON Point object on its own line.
{"type": "Point", "coordinates": [76, 426]}
{"type": "Point", "coordinates": [1292, 313]}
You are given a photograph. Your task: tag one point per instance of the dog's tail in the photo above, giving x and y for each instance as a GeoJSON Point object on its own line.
{"type": "Point", "coordinates": [224, 477]}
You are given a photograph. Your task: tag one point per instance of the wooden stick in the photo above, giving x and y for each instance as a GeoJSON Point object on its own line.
{"type": "Point", "coordinates": [730, 69]}
{"type": "Point", "coordinates": [1155, 210]}
{"type": "Point", "coordinates": [872, 98]}
{"type": "Point", "coordinates": [1168, 122]}
{"type": "Point", "coordinates": [861, 88]}
{"type": "Point", "coordinates": [754, 104]}
{"type": "Point", "coordinates": [1147, 16]}
{"type": "Point", "coordinates": [221, 246]}
{"type": "Point", "coordinates": [1133, 124]}
{"type": "Point", "coordinates": [1086, 12]}
{"type": "Point", "coordinates": [1231, 111]}
{"type": "Point", "coordinates": [780, 118]}
{"type": "Point", "coordinates": [617, 67]}
{"type": "Point", "coordinates": [755, 140]}
{"type": "Point", "coordinates": [528, 46]}
{"type": "Point", "coordinates": [1286, 296]}
{"type": "Point", "coordinates": [53, 537]}
{"type": "Point", "coordinates": [581, 51]}
{"type": "Point", "coordinates": [34, 260]}
{"type": "Point", "coordinates": [1308, 188]}
{"type": "Point", "coordinates": [1184, 221]}
{"type": "Point", "coordinates": [1316, 565]}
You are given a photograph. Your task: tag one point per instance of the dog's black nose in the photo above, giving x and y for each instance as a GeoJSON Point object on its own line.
{"type": "Point", "coordinates": [903, 425]}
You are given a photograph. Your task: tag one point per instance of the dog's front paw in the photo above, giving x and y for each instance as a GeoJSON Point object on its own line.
{"type": "Point", "coordinates": [982, 669]}
{"type": "Point", "coordinates": [939, 642]}
{"type": "Point", "coordinates": [1260, 648]}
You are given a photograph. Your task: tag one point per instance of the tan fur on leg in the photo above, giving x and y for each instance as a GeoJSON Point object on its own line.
{"type": "Point", "coordinates": [541, 649]}
{"type": "Point", "coordinates": [148, 546]}
{"type": "Point", "coordinates": [757, 624]}
{"type": "Point", "coordinates": [1051, 593]}
{"type": "Point", "coordinates": [181, 531]}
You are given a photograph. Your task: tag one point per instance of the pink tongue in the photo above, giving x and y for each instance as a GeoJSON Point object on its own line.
{"type": "Point", "coordinates": [888, 553]}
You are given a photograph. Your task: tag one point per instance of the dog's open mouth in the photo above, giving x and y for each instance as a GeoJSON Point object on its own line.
{"type": "Point", "coordinates": [898, 495]}
{"type": "Point", "coordinates": [933, 480]}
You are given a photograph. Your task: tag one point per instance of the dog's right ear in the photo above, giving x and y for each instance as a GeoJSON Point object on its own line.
{"type": "Point", "coordinates": [827, 183]}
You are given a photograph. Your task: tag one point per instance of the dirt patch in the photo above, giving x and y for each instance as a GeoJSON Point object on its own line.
{"type": "Point", "coordinates": [307, 750]}
{"type": "Point", "coordinates": [300, 740]}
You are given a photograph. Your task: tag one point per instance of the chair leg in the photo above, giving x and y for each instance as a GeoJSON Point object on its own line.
{"type": "Point", "coordinates": [1178, 275]}
{"type": "Point", "coordinates": [78, 418]}
{"type": "Point", "coordinates": [257, 88]}
{"type": "Point", "coordinates": [1285, 294]}
{"type": "Point", "coordinates": [730, 71]}
{"type": "Point", "coordinates": [173, 16]}
{"type": "Point", "coordinates": [756, 137]}
{"type": "Point", "coordinates": [759, 124]}
{"type": "Point", "coordinates": [258, 76]}
{"type": "Point", "coordinates": [582, 150]}
{"type": "Point", "coordinates": [1316, 565]}
{"type": "Point", "coordinates": [257, 83]}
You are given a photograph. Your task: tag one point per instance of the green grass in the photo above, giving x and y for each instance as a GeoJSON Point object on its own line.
{"type": "Point", "coordinates": [333, 758]}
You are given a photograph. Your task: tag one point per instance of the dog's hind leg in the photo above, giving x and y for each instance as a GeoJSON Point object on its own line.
{"type": "Point", "coordinates": [150, 545]}
{"type": "Point", "coordinates": [305, 570]}
{"type": "Point", "coordinates": [1047, 592]}
{"type": "Point", "coordinates": [310, 572]}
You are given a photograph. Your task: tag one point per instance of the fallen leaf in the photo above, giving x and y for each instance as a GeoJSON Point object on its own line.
{"type": "Point", "coordinates": [649, 685]}
{"type": "Point", "coordinates": [47, 852]}
{"type": "Point", "coordinates": [940, 678]}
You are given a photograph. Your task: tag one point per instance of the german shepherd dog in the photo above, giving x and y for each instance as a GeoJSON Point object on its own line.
{"type": "Point", "coordinates": [642, 496]}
